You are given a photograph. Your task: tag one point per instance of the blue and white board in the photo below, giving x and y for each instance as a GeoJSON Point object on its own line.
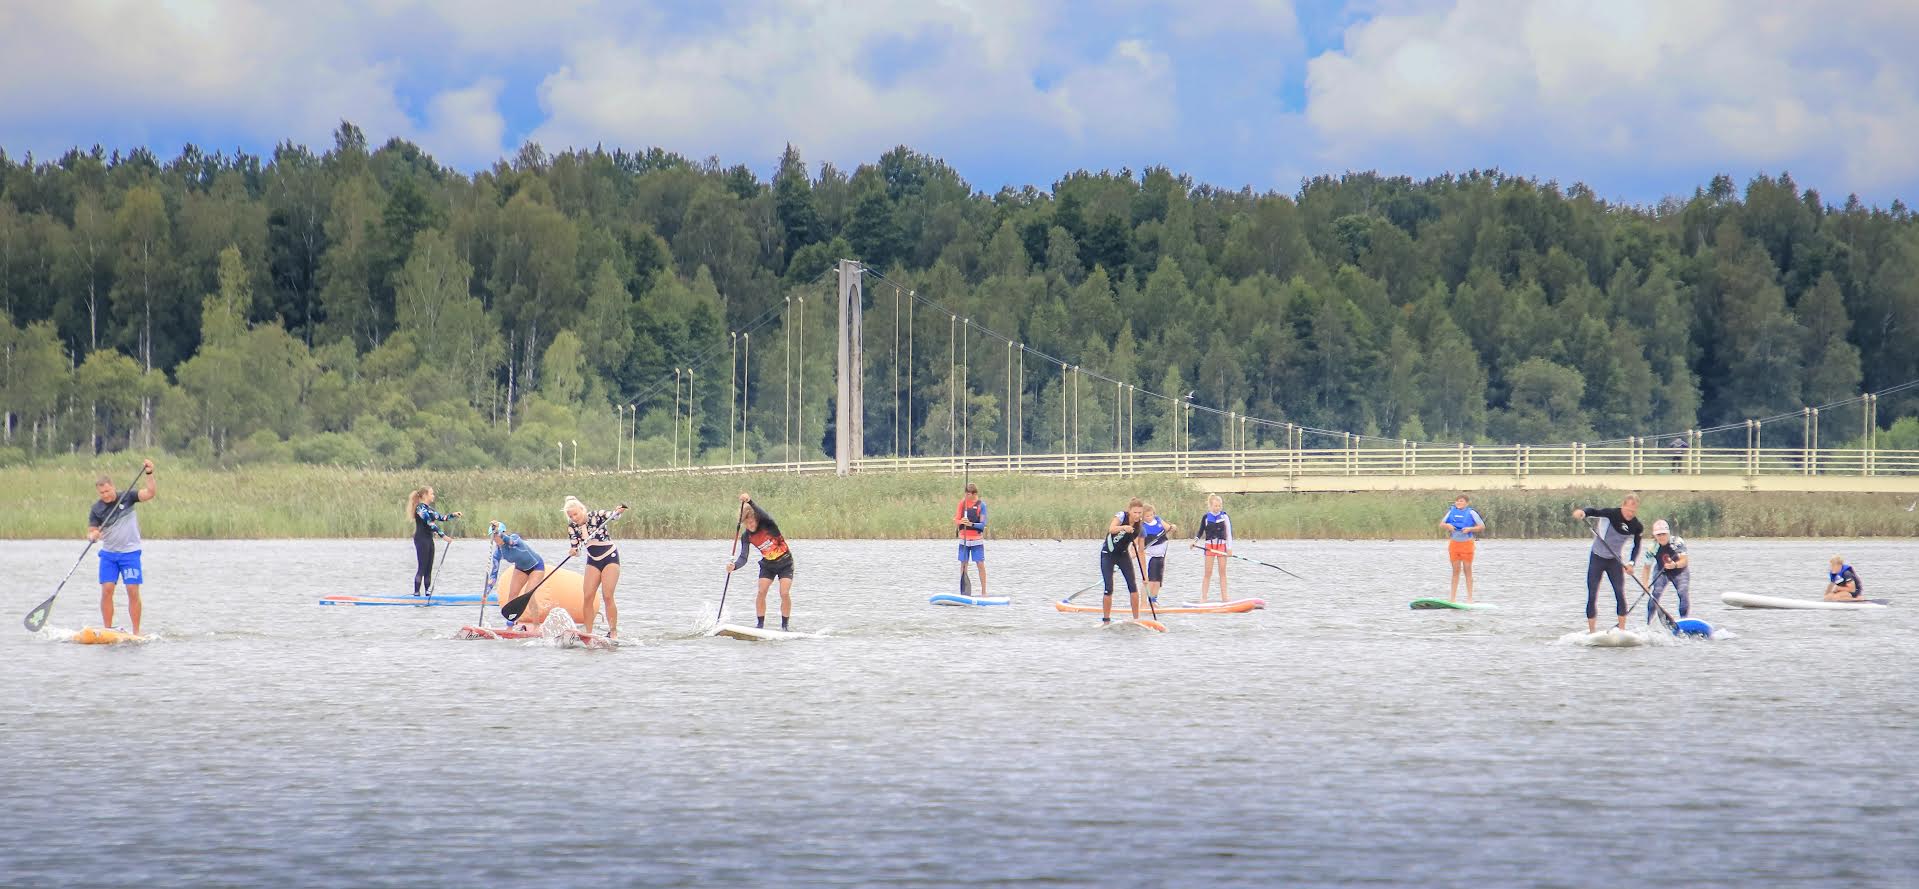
{"type": "Point", "coordinates": [956, 599]}
{"type": "Point", "coordinates": [407, 601]}
{"type": "Point", "coordinates": [1692, 626]}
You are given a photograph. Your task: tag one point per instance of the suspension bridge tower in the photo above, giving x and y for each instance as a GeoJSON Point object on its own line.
{"type": "Point", "coordinates": [849, 434]}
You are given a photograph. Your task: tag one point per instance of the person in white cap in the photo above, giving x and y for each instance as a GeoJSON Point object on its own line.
{"type": "Point", "coordinates": [1667, 564]}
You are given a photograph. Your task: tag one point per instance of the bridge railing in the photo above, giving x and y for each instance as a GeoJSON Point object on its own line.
{"type": "Point", "coordinates": [1407, 459]}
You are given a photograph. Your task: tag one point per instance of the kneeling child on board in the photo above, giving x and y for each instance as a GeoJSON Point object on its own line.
{"type": "Point", "coordinates": [1842, 583]}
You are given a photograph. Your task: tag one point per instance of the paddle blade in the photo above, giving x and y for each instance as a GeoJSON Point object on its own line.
{"type": "Point", "coordinates": [512, 610]}
{"type": "Point", "coordinates": [1153, 625]}
{"type": "Point", "coordinates": [966, 583]}
{"type": "Point", "coordinates": [37, 618]}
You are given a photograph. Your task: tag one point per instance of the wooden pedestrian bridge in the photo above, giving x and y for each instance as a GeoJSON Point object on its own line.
{"type": "Point", "coordinates": [1638, 465]}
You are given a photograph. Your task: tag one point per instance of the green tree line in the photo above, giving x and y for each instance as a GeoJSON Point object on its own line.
{"type": "Point", "coordinates": [371, 307]}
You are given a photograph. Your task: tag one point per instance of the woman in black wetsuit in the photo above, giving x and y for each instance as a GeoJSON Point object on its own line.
{"type": "Point", "coordinates": [426, 526]}
{"type": "Point", "coordinates": [1120, 549]}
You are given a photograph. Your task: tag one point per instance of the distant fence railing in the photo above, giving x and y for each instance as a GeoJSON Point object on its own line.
{"type": "Point", "coordinates": [1410, 459]}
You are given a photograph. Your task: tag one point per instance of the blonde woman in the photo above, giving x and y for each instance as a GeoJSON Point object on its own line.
{"type": "Point", "coordinates": [1216, 538]}
{"type": "Point", "coordinates": [426, 526]}
{"type": "Point", "coordinates": [587, 527]}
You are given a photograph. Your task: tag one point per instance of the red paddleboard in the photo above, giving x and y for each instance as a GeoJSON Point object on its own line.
{"type": "Point", "coordinates": [584, 640]}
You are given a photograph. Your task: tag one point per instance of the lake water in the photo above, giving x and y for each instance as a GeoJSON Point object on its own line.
{"type": "Point", "coordinates": [1336, 738]}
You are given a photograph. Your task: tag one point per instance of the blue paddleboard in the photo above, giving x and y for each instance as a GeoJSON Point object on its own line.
{"type": "Point", "coordinates": [954, 599]}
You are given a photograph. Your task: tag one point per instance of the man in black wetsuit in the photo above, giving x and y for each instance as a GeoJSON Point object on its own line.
{"type": "Point", "coordinates": [1609, 557]}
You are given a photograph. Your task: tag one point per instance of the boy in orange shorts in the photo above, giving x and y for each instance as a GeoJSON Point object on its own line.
{"type": "Point", "coordinates": [1462, 524]}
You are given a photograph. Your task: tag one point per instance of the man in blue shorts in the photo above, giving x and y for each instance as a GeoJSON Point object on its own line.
{"type": "Point", "coordinates": [113, 524]}
{"type": "Point", "coordinates": [970, 518]}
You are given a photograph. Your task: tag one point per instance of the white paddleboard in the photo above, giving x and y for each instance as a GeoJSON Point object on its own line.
{"type": "Point", "coordinates": [758, 634]}
{"type": "Point", "coordinates": [1611, 637]}
{"type": "Point", "coordinates": [1750, 600]}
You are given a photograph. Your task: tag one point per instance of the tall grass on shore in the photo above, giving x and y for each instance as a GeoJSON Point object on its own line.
{"type": "Point", "coordinates": [50, 500]}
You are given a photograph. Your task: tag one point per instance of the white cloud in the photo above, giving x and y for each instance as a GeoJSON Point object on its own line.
{"type": "Point", "coordinates": [955, 73]}
{"type": "Point", "coordinates": [83, 70]}
{"type": "Point", "coordinates": [1770, 84]}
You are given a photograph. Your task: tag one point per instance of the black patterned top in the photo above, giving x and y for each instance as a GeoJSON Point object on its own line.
{"type": "Point", "coordinates": [593, 531]}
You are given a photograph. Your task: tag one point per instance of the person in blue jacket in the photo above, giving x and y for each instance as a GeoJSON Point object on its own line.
{"type": "Point", "coordinates": [1462, 524]}
{"type": "Point", "coordinates": [1843, 583]}
{"type": "Point", "coordinates": [513, 550]}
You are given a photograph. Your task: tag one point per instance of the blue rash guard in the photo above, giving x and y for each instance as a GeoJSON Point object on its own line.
{"type": "Point", "coordinates": [514, 551]}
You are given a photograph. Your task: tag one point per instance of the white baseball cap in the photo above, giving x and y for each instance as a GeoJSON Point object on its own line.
{"type": "Point", "coordinates": [1660, 527]}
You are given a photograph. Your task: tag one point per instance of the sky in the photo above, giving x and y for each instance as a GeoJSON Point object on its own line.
{"type": "Point", "coordinates": [1638, 99]}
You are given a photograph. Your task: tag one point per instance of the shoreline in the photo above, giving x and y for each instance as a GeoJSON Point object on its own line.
{"type": "Point", "coordinates": [280, 502]}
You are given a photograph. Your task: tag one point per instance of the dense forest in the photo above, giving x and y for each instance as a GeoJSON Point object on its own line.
{"type": "Point", "coordinates": [373, 307]}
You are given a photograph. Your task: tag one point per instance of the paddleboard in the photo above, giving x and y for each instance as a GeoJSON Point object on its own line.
{"type": "Point", "coordinates": [954, 599]}
{"type": "Point", "coordinates": [1611, 637]}
{"type": "Point", "coordinates": [1692, 626]}
{"type": "Point", "coordinates": [1141, 624]}
{"type": "Point", "coordinates": [469, 600]}
{"type": "Point", "coordinates": [1240, 606]}
{"type": "Point", "coordinates": [106, 636]}
{"type": "Point", "coordinates": [1425, 604]}
{"type": "Point", "coordinates": [569, 639]}
{"type": "Point", "coordinates": [1749, 600]}
{"type": "Point", "coordinates": [1231, 606]}
{"type": "Point", "coordinates": [757, 634]}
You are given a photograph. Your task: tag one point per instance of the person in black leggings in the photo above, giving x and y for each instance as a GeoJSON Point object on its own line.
{"type": "Point", "coordinates": [1117, 551]}
{"type": "Point", "coordinates": [426, 526]}
{"type": "Point", "coordinates": [1608, 557]}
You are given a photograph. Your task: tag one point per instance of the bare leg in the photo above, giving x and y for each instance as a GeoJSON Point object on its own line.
{"type": "Point", "coordinates": [1453, 594]}
{"type": "Point", "coordinates": [133, 606]}
{"type": "Point", "coordinates": [786, 599]}
{"type": "Point", "coordinates": [514, 585]}
{"type": "Point", "coordinates": [1222, 581]}
{"type": "Point", "coordinates": [982, 579]}
{"type": "Point", "coordinates": [1206, 581]}
{"type": "Point", "coordinates": [1468, 568]}
{"type": "Point", "coordinates": [590, 598]}
{"type": "Point", "coordinates": [106, 605]}
{"type": "Point", "coordinates": [759, 600]}
{"type": "Point", "coordinates": [609, 579]}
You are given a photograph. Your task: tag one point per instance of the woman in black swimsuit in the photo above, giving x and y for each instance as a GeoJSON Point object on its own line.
{"type": "Point", "coordinates": [587, 527]}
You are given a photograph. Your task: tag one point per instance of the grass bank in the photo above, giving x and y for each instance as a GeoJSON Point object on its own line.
{"type": "Point", "coordinates": [51, 499]}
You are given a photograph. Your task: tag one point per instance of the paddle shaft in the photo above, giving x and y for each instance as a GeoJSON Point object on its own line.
{"type": "Point", "coordinates": [1139, 558]}
{"type": "Point", "coordinates": [37, 618]}
{"type": "Point", "coordinates": [442, 566]}
{"type": "Point", "coordinates": [486, 585]}
{"type": "Point", "coordinates": [732, 553]}
{"type": "Point", "coordinates": [1256, 562]}
{"type": "Point", "coordinates": [512, 610]}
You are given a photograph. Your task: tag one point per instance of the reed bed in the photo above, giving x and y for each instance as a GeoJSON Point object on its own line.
{"type": "Point", "coordinates": [49, 500]}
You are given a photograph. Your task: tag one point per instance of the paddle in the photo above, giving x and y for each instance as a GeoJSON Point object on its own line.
{"type": "Point", "coordinates": [1083, 591]}
{"type": "Point", "coordinates": [732, 553]}
{"type": "Point", "coordinates": [37, 618]}
{"type": "Point", "coordinates": [512, 610]}
{"type": "Point", "coordinates": [1140, 560]}
{"type": "Point", "coordinates": [1665, 617]}
{"type": "Point", "coordinates": [486, 586]}
{"type": "Point", "coordinates": [1256, 562]}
